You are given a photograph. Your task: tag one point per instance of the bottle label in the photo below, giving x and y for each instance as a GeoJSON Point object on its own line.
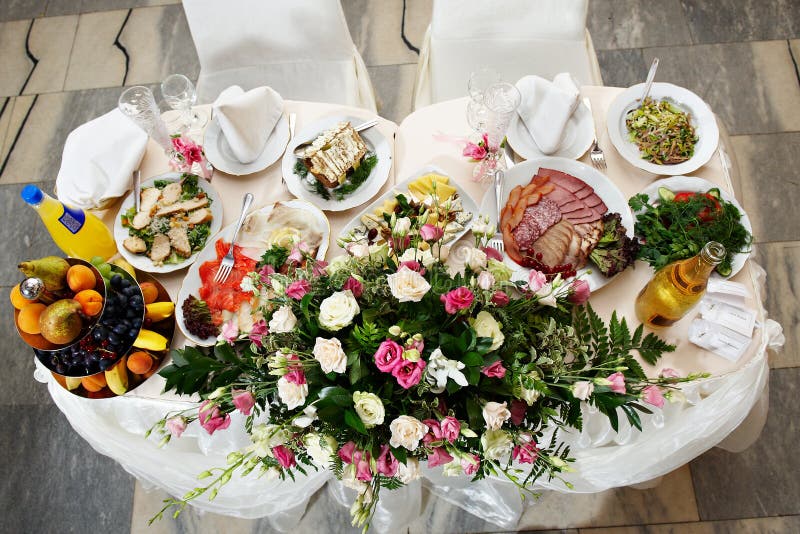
{"type": "Point", "coordinates": [72, 219]}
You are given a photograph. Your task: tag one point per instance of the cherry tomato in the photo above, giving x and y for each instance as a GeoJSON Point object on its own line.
{"type": "Point", "coordinates": [706, 214]}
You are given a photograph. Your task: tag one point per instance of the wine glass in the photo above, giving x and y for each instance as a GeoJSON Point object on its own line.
{"type": "Point", "coordinates": [501, 101]}
{"type": "Point", "coordinates": [138, 104]}
{"type": "Point", "coordinates": [479, 82]}
{"type": "Point", "coordinates": [180, 94]}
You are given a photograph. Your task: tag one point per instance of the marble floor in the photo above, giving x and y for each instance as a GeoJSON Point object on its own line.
{"type": "Point", "coordinates": [62, 62]}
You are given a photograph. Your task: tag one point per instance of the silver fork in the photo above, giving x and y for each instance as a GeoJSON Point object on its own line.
{"type": "Point", "coordinates": [496, 242]}
{"type": "Point", "coordinates": [226, 265]}
{"type": "Point", "coordinates": [595, 153]}
{"type": "Point", "coordinates": [292, 123]}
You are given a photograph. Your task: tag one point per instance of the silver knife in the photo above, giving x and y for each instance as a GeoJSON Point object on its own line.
{"type": "Point", "coordinates": [137, 188]}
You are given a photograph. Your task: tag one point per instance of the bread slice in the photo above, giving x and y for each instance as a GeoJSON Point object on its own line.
{"type": "Point", "coordinates": [334, 153]}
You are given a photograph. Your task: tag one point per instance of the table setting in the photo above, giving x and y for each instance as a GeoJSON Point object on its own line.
{"type": "Point", "coordinates": [538, 286]}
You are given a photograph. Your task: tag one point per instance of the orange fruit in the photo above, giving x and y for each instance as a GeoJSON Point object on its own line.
{"type": "Point", "coordinates": [17, 300]}
{"type": "Point", "coordinates": [149, 292]}
{"type": "Point", "coordinates": [80, 277]}
{"type": "Point", "coordinates": [94, 383]}
{"type": "Point", "coordinates": [28, 318]}
{"type": "Point", "coordinates": [139, 362]}
{"type": "Point", "coordinates": [91, 302]}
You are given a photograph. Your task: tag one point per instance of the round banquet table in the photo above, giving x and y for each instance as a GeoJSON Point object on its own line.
{"type": "Point", "coordinates": [715, 412]}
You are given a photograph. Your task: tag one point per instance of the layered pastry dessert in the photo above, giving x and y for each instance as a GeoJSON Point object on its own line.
{"type": "Point", "coordinates": [334, 153]}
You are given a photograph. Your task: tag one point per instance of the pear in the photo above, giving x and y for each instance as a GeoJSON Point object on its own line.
{"type": "Point", "coordinates": [60, 322]}
{"type": "Point", "coordinates": [51, 270]}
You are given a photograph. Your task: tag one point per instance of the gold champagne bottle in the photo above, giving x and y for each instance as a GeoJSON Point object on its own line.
{"type": "Point", "coordinates": [677, 287]}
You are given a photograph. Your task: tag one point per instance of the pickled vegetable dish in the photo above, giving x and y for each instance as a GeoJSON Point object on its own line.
{"type": "Point", "coordinates": [663, 133]}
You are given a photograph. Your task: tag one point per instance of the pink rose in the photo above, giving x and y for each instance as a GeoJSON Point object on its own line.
{"type": "Point", "coordinates": [361, 460]}
{"type": "Point", "coordinates": [518, 409]}
{"type": "Point", "coordinates": [346, 452]}
{"type": "Point", "coordinates": [297, 289]}
{"type": "Point", "coordinates": [354, 286]}
{"type": "Point", "coordinates": [652, 395]}
{"type": "Point", "coordinates": [579, 292]}
{"type": "Point", "coordinates": [296, 377]}
{"type": "Point", "coordinates": [470, 463]}
{"type": "Point", "coordinates": [667, 372]}
{"type": "Point", "coordinates": [265, 272]}
{"type": "Point", "coordinates": [525, 453]}
{"type": "Point", "coordinates": [473, 151]}
{"type": "Point", "coordinates": [451, 428]}
{"type": "Point", "coordinates": [258, 332]}
{"type": "Point", "coordinates": [284, 455]}
{"type": "Point", "coordinates": [388, 356]}
{"type": "Point", "coordinates": [243, 400]}
{"type": "Point", "coordinates": [408, 373]}
{"type": "Point", "coordinates": [458, 299]}
{"type": "Point", "coordinates": [500, 299]}
{"type": "Point", "coordinates": [495, 370]}
{"type": "Point", "coordinates": [430, 233]}
{"type": "Point", "coordinates": [387, 465]}
{"type": "Point", "coordinates": [211, 419]}
{"type": "Point", "coordinates": [176, 425]}
{"type": "Point", "coordinates": [492, 253]}
{"type": "Point", "coordinates": [536, 280]}
{"type": "Point", "coordinates": [617, 382]}
{"type": "Point", "coordinates": [439, 456]}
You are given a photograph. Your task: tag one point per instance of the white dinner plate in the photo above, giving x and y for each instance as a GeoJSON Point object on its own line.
{"type": "Point", "coordinates": [191, 283]}
{"type": "Point", "coordinates": [609, 193]}
{"type": "Point", "coordinates": [142, 261]}
{"type": "Point", "coordinates": [219, 152]}
{"type": "Point", "coordinates": [693, 184]}
{"type": "Point", "coordinates": [467, 202]}
{"type": "Point", "coordinates": [376, 142]}
{"type": "Point", "coordinates": [578, 136]}
{"type": "Point", "coordinates": [702, 118]}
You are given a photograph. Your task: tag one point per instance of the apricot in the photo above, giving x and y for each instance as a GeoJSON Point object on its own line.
{"type": "Point", "coordinates": [17, 300]}
{"type": "Point", "coordinates": [28, 318]}
{"type": "Point", "coordinates": [91, 302]}
{"type": "Point", "coordinates": [94, 383]}
{"type": "Point", "coordinates": [139, 362]}
{"type": "Point", "coordinates": [80, 277]}
{"type": "Point", "coordinates": [149, 292]}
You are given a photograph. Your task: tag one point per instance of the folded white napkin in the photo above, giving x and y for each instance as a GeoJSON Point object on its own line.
{"type": "Point", "coordinates": [247, 119]}
{"type": "Point", "coordinates": [546, 108]}
{"type": "Point", "coordinates": [99, 159]}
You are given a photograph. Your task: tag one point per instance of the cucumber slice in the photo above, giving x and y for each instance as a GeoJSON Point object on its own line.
{"type": "Point", "coordinates": [714, 193]}
{"type": "Point", "coordinates": [665, 194]}
{"type": "Point", "coordinates": [724, 270]}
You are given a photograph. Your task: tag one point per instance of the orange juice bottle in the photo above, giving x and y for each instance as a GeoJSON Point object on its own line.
{"type": "Point", "coordinates": [77, 233]}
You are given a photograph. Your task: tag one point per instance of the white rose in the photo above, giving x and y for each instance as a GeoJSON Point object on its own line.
{"type": "Point", "coordinates": [282, 320]}
{"type": "Point", "coordinates": [329, 354]}
{"type": "Point", "coordinates": [338, 310]}
{"type": "Point", "coordinates": [407, 285]}
{"type": "Point", "coordinates": [406, 432]}
{"type": "Point", "coordinates": [486, 280]}
{"type": "Point", "coordinates": [402, 227]}
{"type": "Point", "coordinates": [291, 394]}
{"type": "Point", "coordinates": [369, 408]}
{"type": "Point", "coordinates": [486, 326]}
{"type": "Point", "coordinates": [582, 389]}
{"type": "Point", "coordinates": [476, 259]}
{"type": "Point", "coordinates": [425, 257]}
{"type": "Point", "coordinates": [409, 471]}
{"type": "Point", "coordinates": [495, 414]}
{"type": "Point", "coordinates": [265, 437]}
{"type": "Point", "coordinates": [320, 447]}
{"type": "Point", "coordinates": [496, 444]}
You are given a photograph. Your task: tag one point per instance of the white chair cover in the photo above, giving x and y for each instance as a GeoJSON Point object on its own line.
{"type": "Point", "coordinates": [301, 48]}
{"type": "Point", "coordinates": [514, 37]}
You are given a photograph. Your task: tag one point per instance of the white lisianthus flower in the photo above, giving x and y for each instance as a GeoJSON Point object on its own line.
{"type": "Point", "coordinates": [409, 471]}
{"type": "Point", "coordinates": [265, 437]}
{"type": "Point", "coordinates": [291, 394]}
{"type": "Point", "coordinates": [486, 280]}
{"type": "Point", "coordinates": [308, 417]}
{"type": "Point", "coordinates": [440, 368]}
{"type": "Point", "coordinates": [407, 431]}
{"type": "Point", "coordinates": [358, 250]}
{"type": "Point", "coordinates": [330, 355]}
{"type": "Point", "coordinates": [452, 469]}
{"type": "Point", "coordinates": [401, 227]}
{"type": "Point", "coordinates": [369, 408]}
{"type": "Point", "coordinates": [379, 252]}
{"type": "Point", "coordinates": [407, 285]}
{"type": "Point", "coordinates": [485, 325]}
{"type": "Point", "coordinates": [582, 389]}
{"type": "Point", "coordinates": [496, 444]}
{"type": "Point", "coordinates": [277, 286]}
{"type": "Point", "coordinates": [320, 447]}
{"type": "Point", "coordinates": [500, 271]}
{"type": "Point", "coordinates": [337, 264]}
{"type": "Point", "coordinates": [425, 257]}
{"type": "Point", "coordinates": [529, 395]}
{"type": "Point", "coordinates": [338, 310]}
{"type": "Point", "coordinates": [547, 295]}
{"type": "Point", "coordinates": [481, 227]}
{"type": "Point", "coordinates": [495, 414]}
{"type": "Point", "coordinates": [283, 320]}
{"type": "Point", "coordinates": [350, 481]}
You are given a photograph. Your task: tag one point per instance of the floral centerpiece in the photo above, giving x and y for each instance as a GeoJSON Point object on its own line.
{"type": "Point", "coordinates": [403, 353]}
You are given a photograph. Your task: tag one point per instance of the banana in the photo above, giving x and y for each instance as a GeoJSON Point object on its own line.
{"type": "Point", "coordinates": [122, 262]}
{"type": "Point", "coordinates": [149, 340]}
{"type": "Point", "coordinates": [117, 377]}
{"type": "Point", "coordinates": [158, 311]}
{"type": "Point", "coordinates": [72, 382]}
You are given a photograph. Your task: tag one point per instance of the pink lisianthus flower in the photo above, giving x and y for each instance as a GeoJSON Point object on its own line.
{"type": "Point", "coordinates": [318, 269]}
{"type": "Point", "coordinates": [400, 243]}
{"type": "Point", "coordinates": [361, 461]}
{"type": "Point", "coordinates": [434, 431]}
{"type": "Point", "coordinates": [525, 453]}
{"type": "Point", "coordinates": [652, 395]}
{"type": "Point", "coordinates": [229, 331]}
{"type": "Point", "coordinates": [458, 299]}
{"type": "Point", "coordinates": [211, 419]}
{"type": "Point", "coordinates": [536, 280]}
{"type": "Point", "coordinates": [346, 452]}
{"type": "Point", "coordinates": [579, 292]}
{"type": "Point", "coordinates": [178, 144]}
{"type": "Point", "coordinates": [495, 370]}
{"type": "Point", "coordinates": [258, 332]}
{"type": "Point", "coordinates": [412, 265]}
{"type": "Point", "coordinates": [296, 376]}
{"type": "Point", "coordinates": [617, 382]}
{"type": "Point", "coordinates": [386, 464]}
{"type": "Point", "coordinates": [265, 272]}
{"type": "Point", "coordinates": [388, 356]}
{"type": "Point", "coordinates": [408, 373]}
{"type": "Point", "coordinates": [416, 344]}
{"type": "Point", "coordinates": [176, 425]}
{"type": "Point", "coordinates": [668, 372]}
{"type": "Point", "coordinates": [296, 255]}
{"type": "Point", "coordinates": [470, 464]}
{"type": "Point", "coordinates": [450, 428]}
{"type": "Point", "coordinates": [284, 455]}
{"type": "Point", "coordinates": [492, 253]}
{"type": "Point", "coordinates": [243, 400]}
{"type": "Point", "coordinates": [473, 151]}
{"type": "Point", "coordinates": [430, 233]}
{"type": "Point", "coordinates": [518, 409]}
{"type": "Point", "coordinates": [356, 287]}
{"type": "Point", "coordinates": [439, 456]}
{"type": "Point", "coordinates": [500, 299]}
{"type": "Point", "coordinates": [297, 289]}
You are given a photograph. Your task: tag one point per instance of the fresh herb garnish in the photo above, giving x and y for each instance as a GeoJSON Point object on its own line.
{"type": "Point", "coordinates": [300, 168]}
{"type": "Point", "coordinates": [275, 256]}
{"type": "Point", "coordinates": [198, 235]}
{"type": "Point", "coordinates": [189, 187]}
{"type": "Point", "coordinates": [161, 184]}
{"type": "Point", "coordinates": [354, 180]}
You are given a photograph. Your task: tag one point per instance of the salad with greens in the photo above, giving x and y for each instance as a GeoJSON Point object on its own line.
{"type": "Point", "coordinates": [663, 133]}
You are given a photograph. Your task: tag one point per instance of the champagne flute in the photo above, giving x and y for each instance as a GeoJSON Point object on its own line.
{"type": "Point", "coordinates": [501, 101]}
{"type": "Point", "coordinates": [479, 81]}
{"type": "Point", "coordinates": [138, 104]}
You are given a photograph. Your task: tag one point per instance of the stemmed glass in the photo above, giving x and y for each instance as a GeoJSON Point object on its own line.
{"type": "Point", "coordinates": [139, 105]}
{"type": "Point", "coordinates": [479, 82]}
{"type": "Point", "coordinates": [501, 101]}
{"type": "Point", "coordinates": [180, 94]}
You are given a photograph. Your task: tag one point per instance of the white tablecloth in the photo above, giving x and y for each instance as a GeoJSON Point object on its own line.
{"type": "Point", "coordinates": [604, 458]}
